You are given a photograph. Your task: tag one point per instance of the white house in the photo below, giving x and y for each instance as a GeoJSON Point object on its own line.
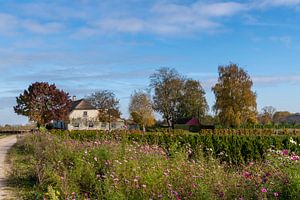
{"type": "Point", "coordinates": [83, 116]}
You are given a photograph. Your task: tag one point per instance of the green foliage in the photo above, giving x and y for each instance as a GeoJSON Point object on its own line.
{"type": "Point", "coordinates": [176, 97]}
{"type": "Point", "coordinates": [229, 145]}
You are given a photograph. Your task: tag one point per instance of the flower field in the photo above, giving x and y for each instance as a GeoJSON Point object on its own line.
{"type": "Point", "coordinates": [154, 166]}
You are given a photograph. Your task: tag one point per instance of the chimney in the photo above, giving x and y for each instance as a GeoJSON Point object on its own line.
{"type": "Point", "coordinates": [74, 98]}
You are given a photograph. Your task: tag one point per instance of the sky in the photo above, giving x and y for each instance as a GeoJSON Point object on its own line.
{"type": "Point", "coordinates": [86, 45]}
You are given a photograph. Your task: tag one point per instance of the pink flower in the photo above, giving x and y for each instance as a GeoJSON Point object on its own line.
{"type": "Point", "coordinates": [294, 157]}
{"type": "Point", "coordinates": [264, 190]}
{"type": "Point", "coordinates": [95, 158]}
{"type": "Point", "coordinates": [276, 194]}
{"type": "Point", "coordinates": [247, 175]}
{"type": "Point", "coordinates": [144, 186]}
{"type": "Point", "coordinates": [285, 152]}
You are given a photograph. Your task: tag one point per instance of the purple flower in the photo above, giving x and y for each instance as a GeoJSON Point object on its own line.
{"type": "Point", "coordinates": [247, 175]}
{"type": "Point", "coordinates": [264, 190]}
{"type": "Point", "coordinates": [285, 152]}
{"type": "Point", "coordinates": [294, 157]}
{"type": "Point", "coordinates": [276, 194]}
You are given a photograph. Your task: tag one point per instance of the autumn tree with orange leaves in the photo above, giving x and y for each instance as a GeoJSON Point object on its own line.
{"type": "Point", "coordinates": [235, 101]}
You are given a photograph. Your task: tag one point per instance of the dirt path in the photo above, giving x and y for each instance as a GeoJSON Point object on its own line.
{"type": "Point", "coordinates": [5, 145]}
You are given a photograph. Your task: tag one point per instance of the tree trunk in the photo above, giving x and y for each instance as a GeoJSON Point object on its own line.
{"type": "Point", "coordinates": [144, 128]}
{"type": "Point", "coordinates": [169, 123]}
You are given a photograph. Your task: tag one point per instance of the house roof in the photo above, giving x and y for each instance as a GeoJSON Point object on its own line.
{"type": "Point", "coordinates": [193, 122]}
{"type": "Point", "coordinates": [82, 105]}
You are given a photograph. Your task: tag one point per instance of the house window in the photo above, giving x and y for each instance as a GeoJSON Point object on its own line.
{"type": "Point", "coordinates": [113, 125]}
{"type": "Point", "coordinates": [85, 114]}
{"type": "Point", "coordinates": [76, 124]}
{"type": "Point", "coordinates": [103, 125]}
{"type": "Point", "coordinates": [91, 124]}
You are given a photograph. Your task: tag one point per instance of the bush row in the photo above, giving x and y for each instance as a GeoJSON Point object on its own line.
{"type": "Point", "coordinates": [230, 148]}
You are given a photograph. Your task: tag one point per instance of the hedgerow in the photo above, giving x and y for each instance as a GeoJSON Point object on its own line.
{"type": "Point", "coordinates": [231, 146]}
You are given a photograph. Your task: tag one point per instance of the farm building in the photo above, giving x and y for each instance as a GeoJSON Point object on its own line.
{"type": "Point", "coordinates": [84, 116]}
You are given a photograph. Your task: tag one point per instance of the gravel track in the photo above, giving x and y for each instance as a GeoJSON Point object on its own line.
{"type": "Point", "coordinates": [5, 144]}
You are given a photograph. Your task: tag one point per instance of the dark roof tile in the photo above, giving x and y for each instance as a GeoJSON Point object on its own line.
{"type": "Point", "coordinates": [82, 105]}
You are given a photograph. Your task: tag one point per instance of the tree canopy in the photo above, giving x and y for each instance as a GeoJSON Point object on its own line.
{"type": "Point", "coordinates": [42, 103]}
{"type": "Point", "coordinates": [192, 101]}
{"type": "Point", "coordinates": [279, 117]}
{"type": "Point", "coordinates": [107, 104]}
{"type": "Point", "coordinates": [266, 115]}
{"type": "Point", "coordinates": [176, 97]}
{"type": "Point", "coordinates": [140, 109]}
{"type": "Point", "coordinates": [167, 84]}
{"type": "Point", "coordinates": [235, 101]}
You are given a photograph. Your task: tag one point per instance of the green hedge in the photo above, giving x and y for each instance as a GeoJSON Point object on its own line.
{"type": "Point", "coordinates": [231, 146]}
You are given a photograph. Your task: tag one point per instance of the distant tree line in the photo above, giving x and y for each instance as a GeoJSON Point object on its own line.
{"type": "Point", "coordinates": [172, 95]}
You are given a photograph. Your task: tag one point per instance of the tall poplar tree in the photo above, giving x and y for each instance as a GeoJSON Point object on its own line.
{"type": "Point", "coordinates": [235, 101]}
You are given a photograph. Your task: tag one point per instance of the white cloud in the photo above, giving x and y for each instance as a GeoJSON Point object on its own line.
{"type": "Point", "coordinates": [167, 19]}
{"type": "Point", "coordinates": [261, 81]}
{"type": "Point", "coordinates": [42, 28]}
{"type": "Point", "coordinates": [131, 25]}
{"type": "Point", "coordinates": [271, 80]}
{"type": "Point", "coordinates": [8, 24]}
{"type": "Point", "coordinates": [286, 40]}
{"type": "Point", "coordinates": [11, 25]}
{"type": "Point", "coordinates": [267, 3]}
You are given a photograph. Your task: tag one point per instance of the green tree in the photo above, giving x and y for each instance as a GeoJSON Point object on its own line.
{"type": "Point", "coordinates": [107, 104]}
{"type": "Point", "coordinates": [141, 110]}
{"type": "Point", "coordinates": [192, 101]}
{"type": "Point", "coordinates": [43, 103]}
{"type": "Point", "coordinates": [167, 85]}
{"type": "Point", "coordinates": [235, 101]}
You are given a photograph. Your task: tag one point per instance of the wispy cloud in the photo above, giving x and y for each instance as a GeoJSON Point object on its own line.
{"type": "Point", "coordinates": [8, 24]}
{"type": "Point", "coordinates": [268, 3]}
{"type": "Point", "coordinates": [12, 25]}
{"type": "Point", "coordinates": [277, 80]}
{"type": "Point", "coordinates": [259, 81]}
{"type": "Point", "coordinates": [42, 28]}
{"type": "Point", "coordinates": [168, 18]}
{"type": "Point", "coordinates": [285, 40]}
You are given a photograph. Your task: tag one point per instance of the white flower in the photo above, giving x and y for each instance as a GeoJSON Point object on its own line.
{"type": "Point", "coordinates": [293, 141]}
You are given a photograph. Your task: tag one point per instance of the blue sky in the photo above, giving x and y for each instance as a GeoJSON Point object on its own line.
{"type": "Point", "coordinates": [86, 45]}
